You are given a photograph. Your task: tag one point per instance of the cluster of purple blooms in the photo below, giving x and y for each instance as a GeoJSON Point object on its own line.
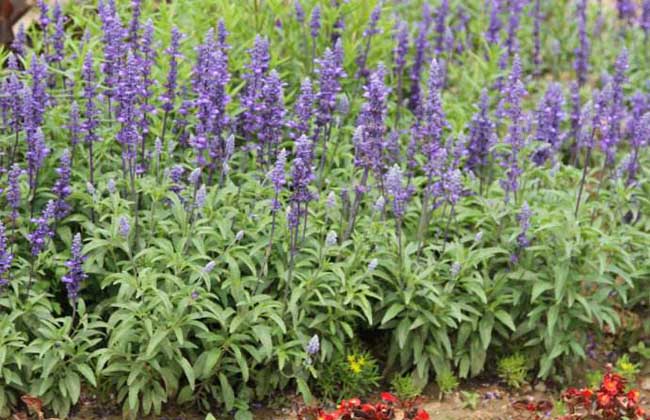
{"type": "Point", "coordinates": [214, 124]}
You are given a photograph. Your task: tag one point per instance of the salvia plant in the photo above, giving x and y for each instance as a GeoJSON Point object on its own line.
{"type": "Point", "coordinates": [205, 203]}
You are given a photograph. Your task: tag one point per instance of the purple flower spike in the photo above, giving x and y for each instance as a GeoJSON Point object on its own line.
{"type": "Point", "coordinates": [581, 62]}
{"type": "Point", "coordinates": [303, 110]}
{"type": "Point", "coordinates": [76, 273]}
{"type": "Point", "coordinates": [124, 227]}
{"type": "Point", "coordinates": [62, 188]}
{"type": "Point", "coordinates": [43, 232]}
{"type": "Point", "coordinates": [524, 225]}
{"type": "Point", "coordinates": [550, 115]}
{"type": "Point", "coordinates": [13, 191]}
{"type": "Point", "coordinates": [6, 257]}
{"type": "Point", "coordinates": [171, 84]}
{"type": "Point", "coordinates": [315, 24]}
{"type": "Point", "coordinates": [397, 191]}
{"type": "Point", "coordinates": [482, 139]}
{"type": "Point", "coordinates": [278, 178]}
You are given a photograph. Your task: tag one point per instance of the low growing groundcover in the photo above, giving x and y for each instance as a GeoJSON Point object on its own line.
{"type": "Point", "coordinates": [209, 204]}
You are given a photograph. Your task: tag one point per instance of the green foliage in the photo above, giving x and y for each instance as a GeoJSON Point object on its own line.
{"type": "Point", "coordinates": [471, 400]}
{"type": "Point", "coordinates": [153, 326]}
{"type": "Point", "coordinates": [593, 378]}
{"type": "Point", "coordinates": [627, 369]}
{"type": "Point", "coordinates": [513, 370]}
{"type": "Point", "coordinates": [405, 387]}
{"type": "Point", "coordinates": [353, 373]}
{"type": "Point", "coordinates": [447, 383]}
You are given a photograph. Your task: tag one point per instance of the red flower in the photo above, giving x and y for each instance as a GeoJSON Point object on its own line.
{"type": "Point", "coordinates": [613, 384]}
{"type": "Point", "coordinates": [586, 394]}
{"type": "Point", "coordinates": [421, 415]}
{"type": "Point", "coordinates": [633, 396]}
{"type": "Point", "coordinates": [389, 398]}
{"type": "Point", "coordinates": [604, 399]}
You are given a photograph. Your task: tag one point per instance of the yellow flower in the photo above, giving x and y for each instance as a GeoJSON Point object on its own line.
{"type": "Point", "coordinates": [356, 364]}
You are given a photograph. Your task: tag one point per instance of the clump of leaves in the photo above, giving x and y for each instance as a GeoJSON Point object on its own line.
{"type": "Point", "coordinates": [405, 387]}
{"type": "Point", "coordinates": [627, 369]}
{"type": "Point", "coordinates": [593, 377]}
{"type": "Point", "coordinates": [354, 373]}
{"type": "Point", "coordinates": [471, 399]}
{"type": "Point", "coordinates": [447, 383]}
{"type": "Point", "coordinates": [513, 370]}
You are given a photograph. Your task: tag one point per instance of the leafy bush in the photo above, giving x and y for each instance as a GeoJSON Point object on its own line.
{"type": "Point", "coordinates": [513, 370]}
{"type": "Point", "coordinates": [175, 227]}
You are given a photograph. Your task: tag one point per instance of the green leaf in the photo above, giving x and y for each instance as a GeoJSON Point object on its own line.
{"type": "Point", "coordinates": [303, 388]}
{"type": "Point", "coordinates": [505, 319]}
{"type": "Point", "coordinates": [87, 373]}
{"type": "Point", "coordinates": [227, 392]}
{"type": "Point", "coordinates": [73, 385]}
{"type": "Point", "coordinates": [392, 312]}
{"type": "Point", "coordinates": [539, 287]}
{"type": "Point", "coordinates": [243, 415]}
{"type": "Point", "coordinates": [155, 341]}
{"type": "Point", "coordinates": [485, 330]}
{"type": "Point", "coordinates": [189, 371]}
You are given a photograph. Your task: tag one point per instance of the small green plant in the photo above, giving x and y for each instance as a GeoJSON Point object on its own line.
{"type": "Point", "coordinates": [627, 369]}
{"type": "Point", "coordinates": [642, 350]}
{"type": "Point", "coordinates": [447, 383]}
{"type": "Point", "coordinates": [471, 399]}
{"type": "Point", "coordinates": [593, 378]}
{"type": "Point", "coordinates": [405, 387]}
{"type": "Point", "coordinates": [513, 370]}
{"type": "Point", "coordinates": [355, 373]}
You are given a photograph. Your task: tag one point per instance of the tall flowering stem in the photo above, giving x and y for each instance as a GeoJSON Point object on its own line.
{"type": "Point", "coordinates": [370, 31]}
{"type": "Point", "coordinates": [581, 62]}
{"type": "Point", "coordinates": [76, 274]}
{"type": "Point", "coordinates": [278, 178]}
{"type": "Point", "coordinates": [330, 72]}
{"type": "Point", "coordinates": [169, 96]}
{"type": "Point", "coordinates": [369, 140]}
{"type": "Point", "coordinates": [6, 257]}
{"type": "Point", "coordinates": [511, 103]}
{"type": "Point", "coordinates": [399, 58]}
{"type": "Point", "coordinates": [90, 116]}
{"type": "Point", "coordinates": [481, 141]}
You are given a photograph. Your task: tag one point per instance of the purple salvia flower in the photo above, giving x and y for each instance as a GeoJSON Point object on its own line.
{"type": "Point", "coordinates": [300, 12]}
{"type": "Point", "coordinates": [372, 265]}
{"type": "Point", "coordinates": [176, 177]}
{"type": "Point", "coordinates": [537, 42]}
{"type": "Point", "coordinates": [330, 73]}
{"type": "Point", "coordinates": [20, 41]}
{"type": "Point", "coordinates": [303, 110]}
{"type": "Point", "coordinates": [14, 89]}
{"type": "Point", "coordinates": [440, 25]}
{"type": "Point", "coordinates": [495, 25]}
{"type": "Point", "coordinates": [124, 226]}
{"type": "Point", "coordinates": [482, 138]}
{"type": "Point", "coordinates": [128, 90]}
{"type": "Point", "coordinates": [524, 225]}
{"type": "Point", "coordinates": [421, 46]}
{"type": "Point", "coordinates": [134, 26]}
{"type": "Point", "coordinates": [581, 62]}
{"type": "Point", "coordinates": [44, 17]}
{"type": "Point", "coordinates": [13, 191]}
{"type": "Point", "coordinates": [314, 23]}
{"type": "Point", "coordinates": [43, 231]}
{"type": "Point", "coordinates": [550, 115]}
{"type": "Point", "coordinates": [62, 188]}
{"type": "Point", "coordinates": [38, 95]}
{"type": "Point", "coordinates": [76, 273]}
{"type": "Point", "coordinates": [172, 76]}
{"type": "Point", "coordinates": [111, 187]}
{"type": "Point", "coordinates": [431, 121]}
{"type": "Point", "coordinates": [515, 8]}
{"type": "Point", "coordinates": [74, 125]}
{"type": "Point", "coordinates": [302, 175]}
{"type": "Point", "coordinates": [370, 31]}
{"type": "Point", "coordinates": [272, 118]}
{"type": "Point", "coordinates": [251, 94]}
{"type": "Point", "coordinates": [207, 269]}
{"type": "Point", "coordinates": [58, 37]}
{"type": "Point", "coordinates": [611, 136]}
{"type": "Point", "coordinates": [278, 178]}
{"type": "Point", "coordinates": [399, 193]}
{"type": "Point", "coordinates": [512, 97]}
{"type": "Point", "coordinates": [6, 257]}
{"type": "Point", "coordinates": [201, 195]}
{"type": "Point", "coordinates": [222, 37]}
{"type": "Point", "coordinates": [640, 138]}
{"type": "Point", "coordinates": [37, 151]}
{"type": "Point", "coordinates": [331, 238]}
{"type": "Point", "coordinates": [626, 10]}
{"type": "Point", "coordinates": [313, 346]}
{"type": "Point", "coordinates": [113, 35]}
{"type": "Point", "coordinates": [379, 205]}
{"type": "Point", "coordinates": [369, 148]}
{"type": "Point", "coordinates": [576, 110]}
{"type": "Point", "coordinates": [401, 47]}
{"type": "Point", "coordinates": [645, 17]}
{"type": "Point", "coordinates": [91, 113]}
